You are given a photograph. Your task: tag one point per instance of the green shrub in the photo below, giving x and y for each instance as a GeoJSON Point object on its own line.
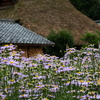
{"type": "Point", "coordinates": [60, 39]}
{"type": "Point", "coordinates": [91, 38]}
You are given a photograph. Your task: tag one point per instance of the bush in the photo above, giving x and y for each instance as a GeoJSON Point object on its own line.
{"type": "Point", "coordinates": [60, 39]}
{"type": "Point", "coordinates": [91, 38]}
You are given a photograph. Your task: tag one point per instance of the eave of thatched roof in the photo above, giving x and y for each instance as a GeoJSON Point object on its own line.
{"type": "Point", "coordinates": [43, 16]}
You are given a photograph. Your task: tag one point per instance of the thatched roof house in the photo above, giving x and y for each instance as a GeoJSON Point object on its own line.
{"type": "Point", "coordinates": [25, 39]}
{"type": "Point", "coordinates": [41, 16]}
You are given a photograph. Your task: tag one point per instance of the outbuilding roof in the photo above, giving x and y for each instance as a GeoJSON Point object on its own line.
{"type": "Point", "coordinates": [11, 32]}
{"type": "Point", "coordinates": [97, 21]}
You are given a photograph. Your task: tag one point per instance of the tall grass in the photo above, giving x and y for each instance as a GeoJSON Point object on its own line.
{"type": "Point", "coordinates": [76, 76]}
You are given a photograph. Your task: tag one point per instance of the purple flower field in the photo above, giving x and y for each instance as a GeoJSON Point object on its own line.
{"type": "Point", "coordinates": [76, 76]}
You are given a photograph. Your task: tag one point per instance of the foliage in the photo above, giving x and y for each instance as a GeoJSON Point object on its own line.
{"type": "Point", "coordinates": [91, 38]}
{"type": "Point", "coordinates": [90, 8]}
{"type": "Point", "coordinates": [60, 39]}
{"type": "Point", "coordinates": [45, 77]}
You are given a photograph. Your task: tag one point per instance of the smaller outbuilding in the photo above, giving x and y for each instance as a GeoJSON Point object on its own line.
{"type": "Point", "coordinates": [25, 39]}
{"type": "Point", "coordinates": [97, 21]}
{"type": "Point", "coordinates": [7, 3]}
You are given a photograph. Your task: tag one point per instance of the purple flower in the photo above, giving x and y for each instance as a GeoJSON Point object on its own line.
{"type": "Point", "coordinates": [1, 95]}
{"type": "Point", "coordinates": [24, 96]}
{"type": "Point", "coordinates": [79, 73]}
{"type": "Point", "coordinates": [51, 96]}
{"type": "Point", "coordinates": [39, 77]}
{"type": "Point", "coordinates": [54, 89]}
{"type": "Point", "coordinates": [95, 97]}
{"type": "Point", "coordinates": [62, 69]}
{"type": "Point", "coordinates": [40, 86]}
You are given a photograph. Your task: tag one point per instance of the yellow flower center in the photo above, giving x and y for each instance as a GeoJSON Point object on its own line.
{"type": "Point", "coordinates": [71, 68]}
{"type": "Point", "coordinates": [14, 52]}
{"type": "Point", "coordinates": [81, 90]}
{"type": "Point", "coordinates": [55, 86]}
{"type": "Point", "coordinates": [98, 82]}
{"type": "Point", "coordinates": [12, 80]}
{"type": "Point", "coordinates": [0, 93]}
{"type": "Point", "coordinates": [88, 81]}
{"type": "Point", "coordinates": [37, 76]}
{"type": "Point", "coordinates": [32, 63]}
{"type": "Point", "coordinates": [79, 72]}
{"type": "Point", "coordinates": [5, 60]}
{"type": "Point", "coordinates": [6, 45]}
{"type": "Point", "coordinates": [11, 62]}
{"type": "Point", "coordinates": [68, 82]}
{"type": "Point", "coordinates": [63, 65]}
{"type": "Point", "coordinates": [49, 64]}
{"type": "Point", "coordinates": [22, 95]}
{"type": "Point", "coordinates": [81, 81]}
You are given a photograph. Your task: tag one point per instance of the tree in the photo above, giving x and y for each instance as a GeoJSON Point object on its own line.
{"type": "Point", "coordinates": [60, 39]}
{"type": "Point", "coordinates": [90, 8]}
{"type": "Point", "coordinates": [91, 38]}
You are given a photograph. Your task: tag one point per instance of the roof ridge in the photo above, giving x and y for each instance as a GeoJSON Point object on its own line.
{"type": "Point", "coordinates": [7, 20]}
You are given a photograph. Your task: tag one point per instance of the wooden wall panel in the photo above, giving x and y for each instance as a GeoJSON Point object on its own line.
{"type": "Point", "coordinates": [31, 51]}
{"type": "Point", "coordinates": [25, 50]}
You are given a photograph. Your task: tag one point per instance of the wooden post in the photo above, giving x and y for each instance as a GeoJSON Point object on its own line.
{"type": "Point", "coordinates": [99, 44]}
{"type": "Point", "coordinates": [67, 46]}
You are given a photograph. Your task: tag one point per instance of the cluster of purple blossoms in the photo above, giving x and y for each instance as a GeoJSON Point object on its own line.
{"type": "Point", "coordinates": [43, 76]}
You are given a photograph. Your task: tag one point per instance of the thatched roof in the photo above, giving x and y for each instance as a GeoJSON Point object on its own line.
{"type": "Point", "coordinates": [41, 16]}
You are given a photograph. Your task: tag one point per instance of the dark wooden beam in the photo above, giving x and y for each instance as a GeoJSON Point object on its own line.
{"type": "Point", "coordinates": [30, 44]}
